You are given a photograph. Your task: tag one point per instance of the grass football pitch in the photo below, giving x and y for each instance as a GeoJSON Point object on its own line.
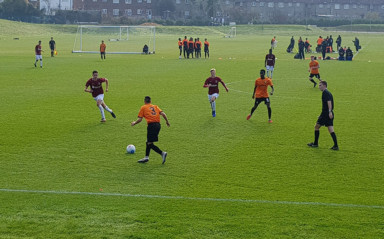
{"type": "Point", "coordinates": [64, 174]}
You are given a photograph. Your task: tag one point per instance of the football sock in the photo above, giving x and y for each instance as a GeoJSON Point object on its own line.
{"type": "Point", "coordinates": [271, 74]}
{"type": "Point", "coordinates": [156, 149]}
{"type": "Point", "coordinates": [334, 139]}
{"type": "Point", "coordinates": [108, 109]}
{"type": "Point", "coordinates": [312, 81]}
{"type": "Point", "coordinates": [317, 134]}
{"type": "Point", "coordinates": [41, 63]}
{"type": "Point", "coordinates": [147, 150]}
{"type": "Point", "coordinates": [269, 112]}
{"type": "Point", "coordinates": [214, 106]}
{"type": "Point", "coordinates": [102, 111]}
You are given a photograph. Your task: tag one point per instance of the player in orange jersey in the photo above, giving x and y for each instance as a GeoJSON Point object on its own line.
{"type": "Point", "coordinates": [206, 48]}
{"type": "Point", "coordinates": [103, 47]}
{"type": "Point", "coordinates": [180, 43]}
{"type": "Point", "coordinates": [260, 92]}
{"type": "Point", "coordinates": [314, 70]}
{"type": "Point", "coordinates": [151, 113]}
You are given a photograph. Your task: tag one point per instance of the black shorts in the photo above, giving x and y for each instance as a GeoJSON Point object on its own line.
{"type": "Point", "coordinates": [153, 131]}
{"type": "Point", "coordinates": [314, 75]}
{"type": "Point", "coordinates": [324, 120]}
{"type": "Point", "coordinates": [259, 100]}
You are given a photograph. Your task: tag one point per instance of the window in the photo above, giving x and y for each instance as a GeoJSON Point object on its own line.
{"type": "Point", "coordinates": [149, 12]}
{"type": "Point", "coordinates": [149, 1]}
{"type": "Point", "coordinates": [354, 6]}
{"type": "Point", "coordinates": [115, 1]}
{"type": "Point", "coordinates": [241, 4]}
{"type": "Point", "coordinates": [253, 4]}
{"type": "Point", "coordinates": [382, 6]}
{"type": "Point", "coordinates": [104, 11]}
{"type": "Point", "coordinates": [346, 6]}
{"type": "Point", "coordinates": [227, 2]}
{"type": "Point", "coordinates": [271, 4]}
{"type": "Point", "coordinates": [139, 11]}
{"type": "Point", "coordinates": [280, 4]}
{"type": "Point", "coordinates": [115, 12]}
{"type": "Point", "coordinates": [289, 4]}
{"type": "Point", "coordinates": [361, 6]}
{"type": "Point", "coordinates": [177, 1]}
{"type": "Point", "coordinates": [186, 1]}
{"type": "Point", "coordinates": [128, 1]}
{"type": "Point", "coordinates": [186, 13]}
{"type": "Point", "coordinates": [262, 4]}
{"type": "Point", "coordinates": [337, 6]}
{"type": "Point", "coordinates": [139, 1]}
{"type": "Point", "coordinates": [298, 4]}
{"type": "Point", "coordinates": [94, 0]}
{"type": "Point", "coordinates": [321, 5]}
{"type": "Point", "coordinates": [128, 12]}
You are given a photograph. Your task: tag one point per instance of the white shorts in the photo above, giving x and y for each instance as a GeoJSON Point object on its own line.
{"type": "Point", "coordinates": [213, 95]}
{"type": "Point", "coordinates": [39, 57]}
{"type": "Point", "coordinates": [270, 68]}
{"type": "Point", "coordinates": [99, 97]}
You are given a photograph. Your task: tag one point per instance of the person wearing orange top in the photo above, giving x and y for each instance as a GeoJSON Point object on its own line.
{"type": "Point", "coordinates": [191, 45]}
{"type": "Point", "coordinates": [314, 70]}
{"type": "Point", "coordinates": [206, 48]}
{"type": "Point", "coordinates": [180, 43]}
{"type": "Point", "coordinates": [198, 48]}
{"type": "Point", "coordinates": [319, 42]}
{"type": "Point", "coordinates": [260, 92]}
{"type": "Point", "coordinates": [273, 42]}
{"type": "Point", "coordinates": [151, 113]}
{"type": "Point", "coordinates": [103, 47]}
{"type": "Point", "coordinates": [185, 47]}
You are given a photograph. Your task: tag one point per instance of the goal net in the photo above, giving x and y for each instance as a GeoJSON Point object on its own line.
{"type": "Point", "coordinates": [231, 32]}
{"type": "Point", "coordinates": [118, 39]}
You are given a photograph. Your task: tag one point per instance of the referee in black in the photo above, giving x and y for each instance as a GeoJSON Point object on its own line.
{"type": "Point", "coordinates": [326, 117]}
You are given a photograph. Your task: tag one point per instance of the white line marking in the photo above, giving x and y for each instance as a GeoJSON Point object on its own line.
{"type": "Point", "coordinates": [196, 199]}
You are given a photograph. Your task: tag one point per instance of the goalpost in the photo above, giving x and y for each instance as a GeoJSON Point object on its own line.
{"type": "Point", "coordinates": [119, 39]}
{"type": "Point", "coordinates": [231, 33]}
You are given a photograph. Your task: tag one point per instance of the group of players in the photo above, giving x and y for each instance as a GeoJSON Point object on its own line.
{"type": "Point", "coordinates": [192, 47]}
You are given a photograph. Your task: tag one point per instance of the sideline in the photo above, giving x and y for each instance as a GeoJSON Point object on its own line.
{"type": "Point", "coordinates": [194, 199]}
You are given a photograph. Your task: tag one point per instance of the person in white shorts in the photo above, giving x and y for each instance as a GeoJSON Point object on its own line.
{"type": "Point", "coordinates": [212, 83]}
{"type": "Point", "coordinates": [270, 63]}
{"type": "Point", "coordinates": [39, 57]}
{"type": "Point", "coordinates": [97, 91]}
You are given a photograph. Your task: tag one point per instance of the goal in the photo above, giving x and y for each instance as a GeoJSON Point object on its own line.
{"type": "Point", "coordinates": [119, 39]}
{"type": "Point", "coordinates": [231, 32]}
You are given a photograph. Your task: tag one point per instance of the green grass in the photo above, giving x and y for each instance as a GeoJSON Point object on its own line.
{"type": "Point", "coordinates": [51, 140]}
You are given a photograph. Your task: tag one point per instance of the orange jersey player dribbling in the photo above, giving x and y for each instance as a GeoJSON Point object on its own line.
{"type": "Point", "coordinates": [151, 113]}
{"type": "Point", "coordinates": [260, 94]}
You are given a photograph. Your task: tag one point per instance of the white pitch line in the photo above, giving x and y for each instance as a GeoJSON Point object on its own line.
{"type": "Point", "coordinates": [195, 198]}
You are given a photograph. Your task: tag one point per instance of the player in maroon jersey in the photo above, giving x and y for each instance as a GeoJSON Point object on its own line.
{"type": "Point", "coordinates": [38, 51]}
{"type": "Point", "coordinates": [270, 63]}
{"type": "Point", "coordinates": [96, 89]}
{"type": "Point", "coordinates": [212, 83]}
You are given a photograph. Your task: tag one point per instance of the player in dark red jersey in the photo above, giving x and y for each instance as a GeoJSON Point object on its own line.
{"type": "Point", "coordinates": [38, 51]}
{"type": "Point", "coordinates": [213, 92]}
{"type": "Point", "coordinates": [97, 91]}
{"type": "Point", "coordinates": [270, 63]}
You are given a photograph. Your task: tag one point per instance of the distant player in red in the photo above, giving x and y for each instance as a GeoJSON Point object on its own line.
{"type": "Point", "coordinates": [38, 51]}
{"type": "Point", "coordinates": [270, 63]}
{"type": "Point", "coordinates": [260, 92]}
{"type": "Point", "coordinates": [212, 83]}
{"type": "Point", "coordinates": [151, 113]}
{"type": "Point", "coordinates": [97, 91]}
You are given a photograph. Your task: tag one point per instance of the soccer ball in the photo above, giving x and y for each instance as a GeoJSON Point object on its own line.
{"type": "Point", "coordinates": [131, 149]}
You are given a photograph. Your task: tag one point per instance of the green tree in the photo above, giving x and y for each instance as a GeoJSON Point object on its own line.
{"type": "Point", "coordinates": [18, 10]}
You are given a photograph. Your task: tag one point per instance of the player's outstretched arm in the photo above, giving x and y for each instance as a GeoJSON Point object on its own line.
{"type": "Point", "coordinates": [137, 121]}
{"type": "Point", "coordinates": [165, 118]}
{"type": "Point", "coordinates": [273, 90]}
{"type": "Point", "coordinates": [106, 84]}
{"type": "Point", "coordinates": [224, 86]}
{"type": "Point", "coordinates": [254, 90]}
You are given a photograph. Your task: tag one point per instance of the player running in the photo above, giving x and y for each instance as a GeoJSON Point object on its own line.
{"type": "Point", "coordinates": [97, 91]}
{"type": "Point", "coordinates": [314, 70]}
{"type": "Point", "coordinates": [151, 113]}
{"type": "Point", "coordinates": [212, 83]}
{"type": "Point", "coordinates": [260, 92]}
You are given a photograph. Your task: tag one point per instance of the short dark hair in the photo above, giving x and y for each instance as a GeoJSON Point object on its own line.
{"type": "Point", "coordinates": [147, 99]}
{"type": "Point", "coordinates": [93, 72]}
{"type": "Point", "coordinates": [262, 71]}
{"type": "Point", "coordinates": [324, 83]}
